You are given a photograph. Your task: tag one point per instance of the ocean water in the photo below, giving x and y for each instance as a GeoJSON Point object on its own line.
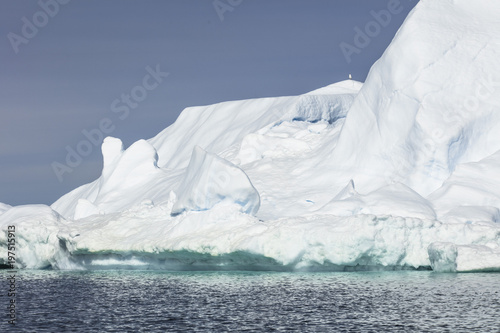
{"type": "Point", "coordinates": [159, 301]}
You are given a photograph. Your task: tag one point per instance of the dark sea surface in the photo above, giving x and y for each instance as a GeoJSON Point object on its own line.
{"type": "Point", "coordinates": [159, 301]}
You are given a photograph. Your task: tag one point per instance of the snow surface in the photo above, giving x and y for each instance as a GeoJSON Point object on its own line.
{"type": "Point", "coordinates": [4, 208]}
{"type": "Point", "coordinates": [210, 180]}
{"type": "Point", "coordinates": [400, 172]}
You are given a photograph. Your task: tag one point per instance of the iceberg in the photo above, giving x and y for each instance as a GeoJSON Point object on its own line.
{"type": "Point", "coordinates": [399, 172]}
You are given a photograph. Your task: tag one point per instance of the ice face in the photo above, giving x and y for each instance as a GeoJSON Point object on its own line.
{"type": "Point", "coordinates": [34, 231]}
{"type": "Point", "coordinates": [149, 236]}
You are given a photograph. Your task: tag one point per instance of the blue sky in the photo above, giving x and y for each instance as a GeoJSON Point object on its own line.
{"type": "Point", "coordinates": [63, 78]}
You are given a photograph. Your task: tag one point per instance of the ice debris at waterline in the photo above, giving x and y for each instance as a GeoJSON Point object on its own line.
{"type": "Point", "coordinates": [401, 172]}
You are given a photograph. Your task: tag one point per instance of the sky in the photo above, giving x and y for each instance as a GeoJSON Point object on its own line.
{"type": "Point", "coordinates": [73, 71]}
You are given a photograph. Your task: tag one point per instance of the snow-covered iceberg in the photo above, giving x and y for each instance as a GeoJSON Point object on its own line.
{"type": "Point", "coordinates": [397, 173]}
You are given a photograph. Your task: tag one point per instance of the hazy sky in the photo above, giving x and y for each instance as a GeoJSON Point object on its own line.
{"type": "Point", "coordinates": [68, 66]}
